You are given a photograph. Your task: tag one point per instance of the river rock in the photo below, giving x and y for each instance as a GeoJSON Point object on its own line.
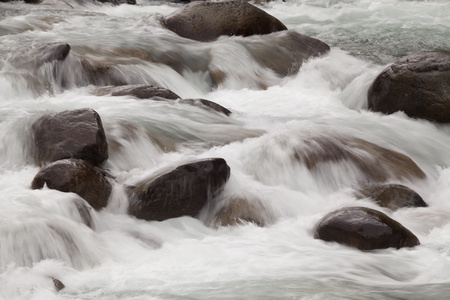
{"type": "Point", "coordinates": [393, 196]}
{"type": "Point", "coordinates": [58, 284]}
{"type": "Point", "coordinates": [76, 176]}
{"type": "Point", "coordinates": [418, 84]}
{"type": "Point", "coordinates": [238, 211]}
{"type": "Point", "coordinates": [206, 21]}
{"type": "Point", "coordinates": [70, 134]}
{"type": "Point", "coordinates": [364, 229]}
{"type": "Point", "coordinates": [118, 2]}
{"type": "Point", "coordinates": [285, 51]}
{"type": "Point", "coordinates": [45, 53]}
{"type": "Point", "coordinates": [375, 163]}
{"type": "Point", "coordinates": [206, 104]}
{"type": "Point", "coordinates": [140, 91]}
{"type": "Point", "coordinates": [179, 192]}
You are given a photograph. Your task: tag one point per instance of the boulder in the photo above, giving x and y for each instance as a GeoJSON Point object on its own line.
{"type": "Point", "coordinates": [393, 196]}
{"type": "Point", "coordinates": [140, 91]}
{"type": "Point", "coordinates": [206, 21]}
{"type": "Point", "coordinates": [418, 85]}
{"type": "Point", "coordinates": [76, 176]}
{"type": "Point", "coordinates": [285, 51]}
{"type": "Point", "coordinates": [206, 104]}
{"type": "Point", "coordinates": [179, 192]}
{"type": "Point", "coordinates": [374, 163]}
{"type": "Point", "coordinates": [364, 229]}
{"type": "Point", "coordinates": [70, 134]}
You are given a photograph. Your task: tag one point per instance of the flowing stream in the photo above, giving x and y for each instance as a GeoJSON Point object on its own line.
{"type": "Point", "coordinates": [42, 234]}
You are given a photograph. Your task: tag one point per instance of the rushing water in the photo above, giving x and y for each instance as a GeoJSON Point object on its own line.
{"type": "Point", "coordinates": [187, 258]}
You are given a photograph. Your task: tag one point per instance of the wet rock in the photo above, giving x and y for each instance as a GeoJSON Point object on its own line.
{"type": "Point", "coordinates": [375, 163]}
{"type": "Point", "coordinates": [418, 84]}
{"type": "Point", "coordinates": [83, 210]}
{"type": "Point", "coordinates": [364, 229]}
{"type": "Point", "coordinates": [180, 192]}
{"type": "Point", "coordinates": [58, 284]}
{"type": "Point", "coordinates": [285, 51]}
{"type": "Point", "coordinates": [76, 176]}
{"type": "Point", "coordinates": [52, 52]}
{"type": "Point", "coordinates": [70, 134]}
{"type": "Point", "coordinates": [100, 73]}
{"type": "Point", "coordinates": [393, 196]}
{"type": "Point", "coordinates": [140, 91]}
{"type": "Point", "coordinates": [118, 2]}
{"type": "Point", "coordinates": [206, 21]}
{"type": "Point", "coordinates": [207, 105]}
{"type": "Point", "coordinates": [46, 53]}
{"type": "Point", "coordinates": [238, 211]}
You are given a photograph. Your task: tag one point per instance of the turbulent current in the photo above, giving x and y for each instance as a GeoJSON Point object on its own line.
{"type": "Point", "coordinates": [42, 233]}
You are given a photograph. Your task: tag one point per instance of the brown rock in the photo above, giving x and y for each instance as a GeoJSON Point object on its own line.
{"type": "Point", "coordinates": [70, 134]}
{"type": "Point", "coordinates": [239, 211]}
{"type": "Point", "coordinates": [376, 163]}
{"type": "Point", "coordinates": [393, 196]}
{"type": "Point", "coordinates": [418, 84]}
{"type": "Point", "coordinates": [180, 192]}
{"type": "Point", "coordinates": [58, 284]}
{"type": "Point", "coordinates": [206, 21]}
{"type": "Point", "coordinates": [364, 229]}
{"type": "Point", "coordinates": [285, 51]}
{"type": "Point", "coordinates": [76, 176]}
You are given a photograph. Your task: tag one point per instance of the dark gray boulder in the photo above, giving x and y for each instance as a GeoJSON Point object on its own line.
{"type": "Point", "coordinates": [364, 229]}
{"type": "Point", "coordinates": [76, 176]}
{"type": "Point", "coordinates": [418, 84]}
{"type": "Point", "coordinates": [206, 21]}
{"type": "Point", "coordinates": [70, 134]}
{"type": "Point", "coordinates": [393, 196]}
{"type": "Point", "coordinates": [180, 192]}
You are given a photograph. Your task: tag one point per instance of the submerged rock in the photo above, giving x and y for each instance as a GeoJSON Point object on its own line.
{"type": "Point", "coordinates": [238, 211]}
{"type": "Point", "coordinates": [76, 176]}
{"type": "Point", "coordinates": [52, 52]}
{"type": "Point", "coordinates": [375, 163]}
{"type": "Point", "coordinates": [393, 196]}
{"type": "Point", "coordinates": [364, 229]}
{"type": "Point", "coordinates": [203, 103]}
{"type": "Point", "coordinates": [143, 91]}
{"type": "Point", "coordinates": [118, 2]}
{"type": "Point", "coordinates": [180, 192]}
{"type": "Point", "coordinates": [418, 84]}
{"type": "Point", "coordinates": [140, 91]}
{"type": "Point", "coordinates": [206, 21]}
{"type": "Point", "coordinates": [70, 134]}
{"type": "Point", "coordinates": [284, 52]}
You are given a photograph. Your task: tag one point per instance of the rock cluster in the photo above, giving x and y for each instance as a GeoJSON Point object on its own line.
{"type": "Point", "coordinates": [71, 146]}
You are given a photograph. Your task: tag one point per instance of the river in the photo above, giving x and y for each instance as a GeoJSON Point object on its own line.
{"type": "Point", "coordinates": [42, 236]}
